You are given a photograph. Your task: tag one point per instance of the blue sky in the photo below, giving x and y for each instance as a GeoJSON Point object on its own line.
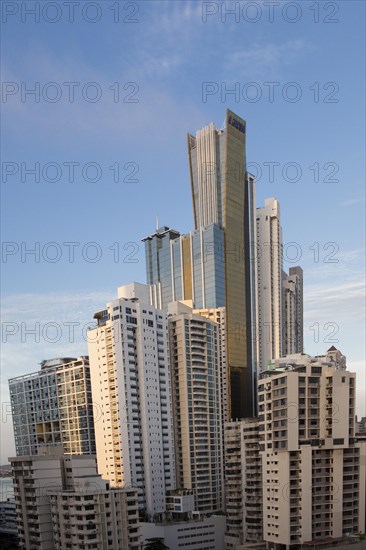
{"type": "Point", "coordinates": [168, 54]}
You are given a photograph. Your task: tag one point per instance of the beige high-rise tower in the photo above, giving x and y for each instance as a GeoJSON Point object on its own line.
{"type": "Point", "coordinates": [313, 467]}
{"type": "Point", "coordinates": [197, 409]}
{"type": "Point", "coordinates": [269, 275]}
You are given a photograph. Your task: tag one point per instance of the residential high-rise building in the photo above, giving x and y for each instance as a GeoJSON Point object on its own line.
{"type": "Point", "coordinates": [197, 408]}
{"type": "Point", "coordinates": [269, 279]}
{"type": "Point", "coordinates": [313, 468]}
{"type": "Point", "coordinates": [292, 312]}
{"type": "Point", "coordinates": [223, 193]}
{"type": "Point", "coordinates": [61, 502]}
{"type": "Point", "coordinates": [218, 315]}
{"type": "Point", "coordinates": [131, 383]}
{"type": "Point", "coordinates": [54, 406]}
{"type": "Point", "coordinates": [243, 481]}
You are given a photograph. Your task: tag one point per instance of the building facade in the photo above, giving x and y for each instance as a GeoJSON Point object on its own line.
{"type": "Point", "coordinates": [313, 468]}
{"type": "Point", "coordinates": [197, 408]}
{"type": "Point", "coordinates": [161, 268]}
{"type": "Point", "coordinates": [205, 533]}
{"type": "Point", "coordinates": [131, 383]}
{"type": "Point", "coordinates": [87, 514]}
{"type": "Point", "coordinates": [269, 279]}
{"type": "Point", "coordinates": [292, 312]}
{"type": "Point", "coordinates": [214, 265]}
{"type": "Point", "coordinates": [243, 482]}
{"type": "Point", "coordinates": [361, 425]}
{"type": "Point", "coordinates": [61, 502]}
{"type": "Point", "coordinates": [8, 517]}
{"type": "Point", "coordinates": [54, 406]}
{"type": "Point", "coordinates": [186, 267]}
{"type": "Point", "coordinates": [223, 193]}
{"type": "Point", "coordinates": [218, 315]}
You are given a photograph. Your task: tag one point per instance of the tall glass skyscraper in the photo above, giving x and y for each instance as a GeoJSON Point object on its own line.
{"type": "Point", "coordinates": [213, 266]}
{"type": "Point", "coordinates": [223, 194]}
{"type": "Point", "coordinates": [186, 267]}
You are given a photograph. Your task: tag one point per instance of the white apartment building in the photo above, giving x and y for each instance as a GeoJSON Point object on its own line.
{"type": "Point", "coordinates": [62, 503]}
{"type": "Point", "coordinates": [131, 387]}
{"type": "Point", "coordinates": [313, 467]}
{"type": "Point", "coordinates": [197, 407]}
{"type": "Point", "coordinates": [269, 276]}
{"type": "Point", "coordinates": [243, 482]}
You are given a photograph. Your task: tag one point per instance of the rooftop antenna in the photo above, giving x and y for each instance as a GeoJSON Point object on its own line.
{"type": "Point", "coordinates": [157, 223]}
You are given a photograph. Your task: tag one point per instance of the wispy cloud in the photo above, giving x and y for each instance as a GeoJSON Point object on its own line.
{"type": "Point", "coordinates": [40, 326]}
{"type": "Point", "coordinates": [333, 302]}
{"type": "Point", "coordinates": [265, 59]}
{"type": "Point", "coordinates": [353, 201]}
{"type": "Point", "coordinates": [130, 108]}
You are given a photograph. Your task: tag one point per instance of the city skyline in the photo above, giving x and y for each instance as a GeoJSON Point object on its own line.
{"type": "Point", "coordinates": [183, 274]}
{"type": "Point", "coordinates": [69, 328]}
{"type": "Point", "coordinates": [312, 132]}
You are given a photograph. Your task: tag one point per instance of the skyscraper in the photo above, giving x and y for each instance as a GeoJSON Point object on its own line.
{"type": "Point", "coordinates": [214, 265]}
{"type": "Point", "coordinates": [269, 279]}
{"type": "Point", "coordinates": [131, 383]}
{"type": "Point", "coordinates": [54, 406]}
{"type": "Point", "coordinates": [292, 311]}
{"type": "Point", "coordinates": [197, 407]}
{"type": "Point", "coordinates": [186, 267]}
{"type": "Point", "coordinates": [160, 272]}
{"type": "Point", "coordinates": [223, 193]}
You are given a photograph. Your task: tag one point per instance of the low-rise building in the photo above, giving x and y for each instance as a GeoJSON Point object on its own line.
{"type": "Point", "coordinates": [197, 534]}
{"type": "Point", "coordinates": [62, 503]}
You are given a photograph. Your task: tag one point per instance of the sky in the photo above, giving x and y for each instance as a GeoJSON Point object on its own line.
{"type": "Point", "coordinates": [96, 155]}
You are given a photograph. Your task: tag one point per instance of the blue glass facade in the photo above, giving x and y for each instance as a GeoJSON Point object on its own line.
{"type": "Point", "coordinates": [196, 272]}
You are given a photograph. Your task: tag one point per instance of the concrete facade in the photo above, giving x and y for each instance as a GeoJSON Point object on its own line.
{"type": "Point", "coordinates": [243, 483]}
{"type": "Point", "coordinates": [61, 502]}
{"type": "Point", "coordinates": [131, 384]}
{"type": "Point", "coordinates": [199, 534]}
{"type": "Point", "coordinates": [269, 274]}
{"type": "Point", "coordinates": [197, 407]}
{"type": "Point", "coordinates": [313, 467]}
